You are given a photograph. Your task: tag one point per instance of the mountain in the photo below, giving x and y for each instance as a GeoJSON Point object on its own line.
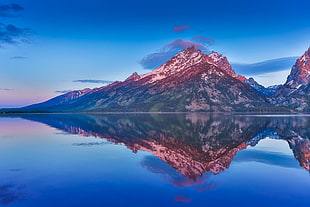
{"type": "Point", "coordinates": [190, 81]}
{"type": "Point", "coordinates": [295, 93]}
{"type": "Point", "coordinates": [269, 91]}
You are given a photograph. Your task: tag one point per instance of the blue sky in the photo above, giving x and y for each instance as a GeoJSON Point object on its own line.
{"type": "Point", "coordinates": [46, 46]}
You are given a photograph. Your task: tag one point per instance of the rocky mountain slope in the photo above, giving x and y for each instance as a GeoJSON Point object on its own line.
{"type": "Point", "coordinates": [67, 98]}
{"type": "Point", "coordinates": [295, 93]}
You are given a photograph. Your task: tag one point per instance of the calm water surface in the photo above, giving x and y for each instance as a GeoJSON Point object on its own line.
{"type": "Point", "coordinates": [154, 160]}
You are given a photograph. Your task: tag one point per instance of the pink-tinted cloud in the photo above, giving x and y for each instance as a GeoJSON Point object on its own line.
{"type": "Point", "coordinates": [155, 60]}
{"type": "Point", "coordinates": [183, 44]}
{"type": "Point", "coordinates": [203, 40]}
{"type": "Point", "coordinates": [180, 28]}
{"type": "Point", "coordinates": [180, 198]}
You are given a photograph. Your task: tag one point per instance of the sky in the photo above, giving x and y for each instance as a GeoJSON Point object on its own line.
{"type": "Point", "coordinates": [50, 47]}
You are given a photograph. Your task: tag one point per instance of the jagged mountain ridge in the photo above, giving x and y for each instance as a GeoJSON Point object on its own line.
{"type": "Point", "coordinates": [269, 91]}
{"type": "Point", "coordinates": [190, 81]}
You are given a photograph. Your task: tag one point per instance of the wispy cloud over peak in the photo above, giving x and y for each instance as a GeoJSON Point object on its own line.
{"type": "Point", "coordinates": [183, 44]}
{"type": "Point", "coordinates": [180, 28]}
{"type": "Point", "coordinates": [203, 40]}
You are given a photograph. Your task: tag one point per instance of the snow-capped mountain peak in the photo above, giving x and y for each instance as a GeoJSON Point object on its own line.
{"type": "Point", "coordinates": [179, 62]}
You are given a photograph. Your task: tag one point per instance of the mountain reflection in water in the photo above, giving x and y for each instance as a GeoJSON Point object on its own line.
{"type": "Point", "coordinates": [192, 144]}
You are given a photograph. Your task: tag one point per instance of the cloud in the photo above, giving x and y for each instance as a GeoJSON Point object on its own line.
{"type": "Point", "coordinates": [6, 10]}
{"type": "Point", "coordinates": [10, 34]}
{"type": "Point", "coordinates": [183, 199]}
{"type": "Point", "coordinates": [183, 44]}
{"type": "Point", "coordinates": [6, 89]}
{"type": "Point", "coordinates": [155, 60]}
{"type": "Point", "coordinates": [273, 78]}
{"type": "Point", "coordinates": [18, 57]}
{"type": "Point", "coordinates": [10, 7]}
{"type": "Point", "coordinates": [64, 91]}
{"type": "Point", "coordinates": [10, 193]}
{"type": "Point", "coordinates": [203, 40]}
{"type": "Point", "coordinates": [180, 28]}
{"type": "Point", "coordinates": [270, 158]}
{"type": "Point", "coordinates": [94, 81]}
{"type": "Point", "coordinates": [268, 66]}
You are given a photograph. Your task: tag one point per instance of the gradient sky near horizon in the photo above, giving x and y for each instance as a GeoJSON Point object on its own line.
{"type": "Point", "coordinates": [50, 47]}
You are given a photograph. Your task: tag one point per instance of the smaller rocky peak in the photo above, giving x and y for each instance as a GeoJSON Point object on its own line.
{"type": "Point", "coordinates": [85, 90]}
{"type": "Point", "coordinates": [222, 62]}
{"type": "Point", "coordinates": [251, 80]}
{"type": "Point", "coordinates": [216, 57]}
{"type": "Point", "coordinates": [134, 77]}
{"type": "Point", "coordinates": [77, 93]}
{"type": "Point", "coordinates": [190, 49]}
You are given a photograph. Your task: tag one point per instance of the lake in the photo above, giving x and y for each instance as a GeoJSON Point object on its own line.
{"type": "Point", "coordinates": [190, 159]}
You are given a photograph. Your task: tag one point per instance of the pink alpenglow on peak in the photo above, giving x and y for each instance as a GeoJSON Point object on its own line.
{"type": "Point", "coordinates": [300, 74]}
{"type": "Point", "coordinates": [188, 58]}
{"type": "Point", "coordinates": [133, 77]}
{"type": "Point", "coordinates": [295, 92]}
{"type": "Point", "coordinates": [181, 61]}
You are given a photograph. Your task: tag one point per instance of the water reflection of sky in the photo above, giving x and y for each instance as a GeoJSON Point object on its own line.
{"type": "Point", "coordinates": [40, 166]}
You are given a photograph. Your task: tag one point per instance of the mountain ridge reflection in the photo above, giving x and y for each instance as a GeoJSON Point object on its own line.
{"type": "Point", "coordinates": [193, 143]}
